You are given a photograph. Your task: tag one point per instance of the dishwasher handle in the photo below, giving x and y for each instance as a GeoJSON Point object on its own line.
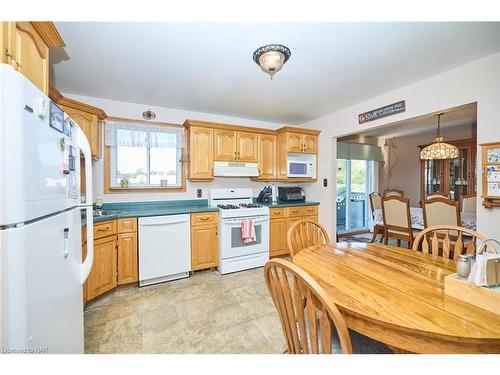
{"type": "Point", "coordinates": [164, 223]}
{"type": "Point", "coordinates": [163, 220]}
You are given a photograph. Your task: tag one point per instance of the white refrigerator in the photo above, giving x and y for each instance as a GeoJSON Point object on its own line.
{"type": "Point", "coordinates": [41, 267]}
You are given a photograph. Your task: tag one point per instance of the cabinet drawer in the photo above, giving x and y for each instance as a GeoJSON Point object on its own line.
{"type": "Point", "coordinates": [128, 225]}
{"type": "Point", "coordinates": [277, 212]}
{"type": "Point", "coordinates": [204, 218]}
{"type": "Point", "coordinates": [301, 211]}
{"type": "Point", "coordinates": [106, 228]}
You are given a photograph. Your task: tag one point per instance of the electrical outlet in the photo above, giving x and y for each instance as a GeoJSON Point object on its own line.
{"type": "Point", "coordinates": [325, 182]}
{"type": "Point", "coordinates": [199, 193]}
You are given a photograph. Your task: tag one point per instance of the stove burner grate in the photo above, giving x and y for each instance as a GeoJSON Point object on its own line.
{"type": "Point", "coordinates": [228, 206]}
{"type": "Point", "coordinates": [250, 205]}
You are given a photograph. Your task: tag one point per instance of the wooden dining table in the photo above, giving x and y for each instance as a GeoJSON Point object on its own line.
{"type": "Point", "coordinates": [396, 296]}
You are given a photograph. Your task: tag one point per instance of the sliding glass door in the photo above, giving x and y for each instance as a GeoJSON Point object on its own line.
{"type": "Point", "coordinates": [355, 180]}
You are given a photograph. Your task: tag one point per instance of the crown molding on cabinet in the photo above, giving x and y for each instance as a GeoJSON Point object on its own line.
{"type": "Point", "coordinates": [49, 34]}
{"type": "Point", "coordinates": [57, 97]}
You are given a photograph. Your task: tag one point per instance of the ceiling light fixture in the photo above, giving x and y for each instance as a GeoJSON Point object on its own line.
{"type": "Point", "coordinates": [439, 150]}
{"type": "Point", "coordinates": [271, 58]}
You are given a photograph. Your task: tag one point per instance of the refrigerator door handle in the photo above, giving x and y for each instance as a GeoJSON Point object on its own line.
{"type": "Point", "coordinates": [82, 142]}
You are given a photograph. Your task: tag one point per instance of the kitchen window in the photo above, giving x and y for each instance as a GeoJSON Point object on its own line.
{"type": "Point", "coordinates": [145, 156]}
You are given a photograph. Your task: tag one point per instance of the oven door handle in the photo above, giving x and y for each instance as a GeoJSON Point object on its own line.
{"type": "Point", "coordinates": [238, 221]}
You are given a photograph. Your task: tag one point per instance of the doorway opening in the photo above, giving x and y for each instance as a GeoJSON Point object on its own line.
{"type": "Point", "coordinates": [390, 160]}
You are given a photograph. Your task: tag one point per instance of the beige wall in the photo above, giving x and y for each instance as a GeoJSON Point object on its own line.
{"type": "Point", "coordinates": [405, 161]}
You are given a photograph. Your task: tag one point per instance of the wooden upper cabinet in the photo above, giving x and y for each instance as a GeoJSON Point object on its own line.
{"type": "Point", "coordinates": [302, 143]}
{"type": "Point", "coordinates": [89, 119]}
{"type": "Point", "coordinates": [90, 125]}
{"type": "Point", "coordinates": [25, 46]}
{"type": "Point", "coordinates": [310, 143]}
{"type": "Point", "coordinates": [247, 147]}
{"type": "Point", "coordinates": [294, 142]}
{"type": "Point", "coordinates": [233, 145]}
{"type": "Point", "coordinates": [267, 156]}
{"type": "Point", "coordinates": [225, 145]}
{"type": "Point", "coordinates": [201, 153]}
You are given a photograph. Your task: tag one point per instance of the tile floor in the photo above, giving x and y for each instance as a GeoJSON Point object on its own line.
{"type": "Point", "coordinates": [206, 313]}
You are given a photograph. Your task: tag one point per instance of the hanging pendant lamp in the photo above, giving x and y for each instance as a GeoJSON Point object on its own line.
{"type": "Point", "coordinates": [439, 150]}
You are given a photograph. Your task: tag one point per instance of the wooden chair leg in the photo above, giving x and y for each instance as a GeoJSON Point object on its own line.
{"type": "Point", "coordinates": [399, 243]}
{"type": "Point", "coordinates": [374, 237]}
{"type": "Point", "coordinates": [386, 238]}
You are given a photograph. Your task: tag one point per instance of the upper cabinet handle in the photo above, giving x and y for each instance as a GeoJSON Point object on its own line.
{"type": "Point", "coordinates": [11, 57]}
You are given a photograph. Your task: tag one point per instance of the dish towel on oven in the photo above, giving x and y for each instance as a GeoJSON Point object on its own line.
{"type": "Point", "coordinates": [248, 231]}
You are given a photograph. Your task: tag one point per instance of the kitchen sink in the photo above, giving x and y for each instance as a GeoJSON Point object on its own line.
{"type": "Point", "coordinates": [106, 212]}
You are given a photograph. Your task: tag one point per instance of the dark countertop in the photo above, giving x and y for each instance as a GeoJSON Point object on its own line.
{"type": "Point", "coordinates": [157, 208]}
{"type": "Point", "coordinates": [282, 204]}
{"type": "Point", "coordinates": [175, 207]}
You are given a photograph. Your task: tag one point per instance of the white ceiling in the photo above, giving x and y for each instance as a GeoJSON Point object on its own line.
{"type": "Point", "coordinates": [209, 67]}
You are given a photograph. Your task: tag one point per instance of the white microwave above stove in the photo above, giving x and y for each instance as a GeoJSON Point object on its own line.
{"type": "Point", "coordinates": [301, 165]}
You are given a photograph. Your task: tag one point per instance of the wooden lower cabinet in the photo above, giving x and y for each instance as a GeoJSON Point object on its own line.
{"type": "Point", "coordinates": [277, 237]}
{"type": "Point", "coordinates": [281, 221]}
{"type": "Point", "coordinates": [127, 258]}
{"type": "Point", "coordinates": [103, 274]}
{"type": "Point", "coordinates": [204, 241]}
{"type": "Point", "coordinates": [115, 256]}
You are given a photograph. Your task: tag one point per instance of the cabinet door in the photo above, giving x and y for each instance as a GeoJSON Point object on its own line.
{"type": "Point", "coordinates": [31, 54]}
{"type": "Point", "coordinates": [127, 258]}
{"type": "Point", "coordinates": [294, 142]}
{"type": "Point", "coordinates": [267, 156]}
{"type": "Point", "coordinates": [201, 157]}
{"type": "Point", "coordinates": [277, 237]}
{"type": "Point", "coordinates": [204, 250]}
{"type": "Point", "coordinates": [89, 124]}
{"type": "Point", "coordinates": [310, 143]}
{"type": "Point", "coordinates": [225, 145]}
{"type": "Point", "coordinates": [103, 275]}
{"type": "Point", "coordinates": [247, 146]}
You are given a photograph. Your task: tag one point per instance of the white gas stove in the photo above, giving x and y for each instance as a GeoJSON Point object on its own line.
{"type": "Point", "coordinates": [236, 205]}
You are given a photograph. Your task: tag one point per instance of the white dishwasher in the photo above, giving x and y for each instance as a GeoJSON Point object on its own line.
{"type": "Point", "coordinates": [164, 248]}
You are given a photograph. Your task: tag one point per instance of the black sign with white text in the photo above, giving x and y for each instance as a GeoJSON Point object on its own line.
{"type": "Point", "coordinates": [381, 112]}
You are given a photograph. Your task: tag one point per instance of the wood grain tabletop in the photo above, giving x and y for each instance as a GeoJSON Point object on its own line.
{"type": "Point", "coordinates": [396, 296]}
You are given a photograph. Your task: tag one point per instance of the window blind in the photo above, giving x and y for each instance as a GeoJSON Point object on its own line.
{"type": "Point", "coordinates": [357, 151]}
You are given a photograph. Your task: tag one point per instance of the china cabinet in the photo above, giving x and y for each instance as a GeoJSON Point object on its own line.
{"type": "Point", "coordinates": [454, 177]}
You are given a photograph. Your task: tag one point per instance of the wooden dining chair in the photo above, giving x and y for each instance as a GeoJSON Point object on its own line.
{"type": "Point", "coordinates": [397, 221]}
{"type": "Point", "coordinates": [305, 233]}
{"type": "Point", "coordinates": [309, 329]}
{"type": "Point", "coordinates": [431, 196]}
{"type": "Point", "coordinates": [393, 193]}
{"type": "Point", "coordinates": [376, 204]}
{"type": "Point", "coordinates": [447, 241]}
{"type": "Point", "coordinates": [436, 194]}
{"type": "Point", "coordinates": [441, 211]}
{"type": "Point", "coordinates": [469, 203]}
{"type": "Point", "coordinates": [310, 320]}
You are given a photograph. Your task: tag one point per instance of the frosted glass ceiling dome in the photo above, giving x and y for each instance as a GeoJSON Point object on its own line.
{"type": "Point", "coordinates": [271, 58]}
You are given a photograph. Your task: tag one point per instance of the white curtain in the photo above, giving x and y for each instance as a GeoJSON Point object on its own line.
{"type": "Point", "coordinates": [133, 135]}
